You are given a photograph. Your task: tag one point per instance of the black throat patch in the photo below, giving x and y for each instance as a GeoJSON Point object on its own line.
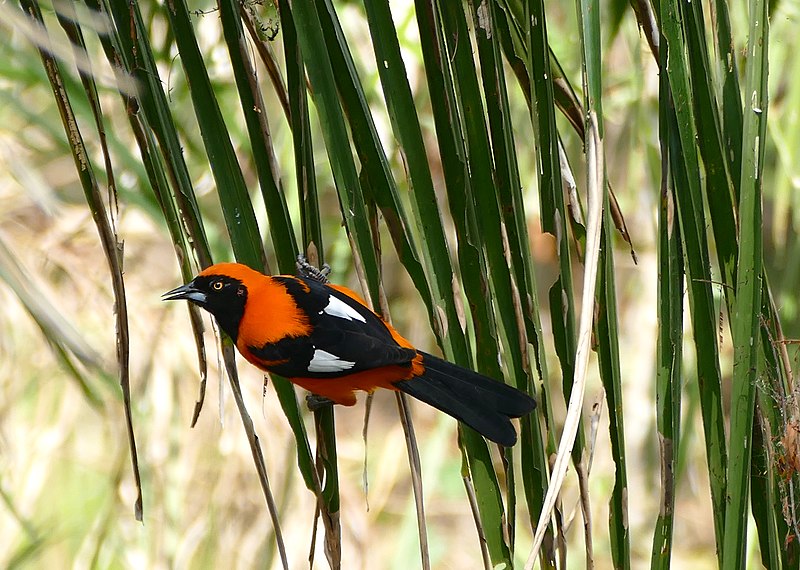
{"type": "Point", "coordinates": [226, 303]}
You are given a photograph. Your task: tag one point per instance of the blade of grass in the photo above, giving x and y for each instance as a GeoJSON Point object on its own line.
{"type": "Point", "coordinates": [510, 249]}
{"type": "Point", "coordinates": [112, 248]}
{"type": "Point", "coordinates": [131, 53]}
{"type": "Point", "coordinates": [595, 176]}
{"type": "Point", "coordinates": [351, 198]}
{"type": "Point", "coordinates": [160, 186]}
{"type": "Point", "coordinates": [553, 213]}
{"type": "Point", "coordinates": [237, 208]}
{"type": "Point", "coordinates": [380, 189]}
{"type": "Point", "coordinates": [135, 55]}
{"type": "Point", "coordinates": [552, 199]}
{"type": "Point", "coordinates": [378, 183]}
{"type": "Point", "coordinates": [254, 110]}
{"type": "Point", "coordinates": [669, 346]}
{"type": "Point", "coordinates": [405, 123]}
{"type": "Point", "coordinates": [234, 198]}
{"type": "Point", "coordinates": [451, 141]}
{"type": "Point", "coordinates": [553, 208]}
{"type": "Point", "coordinates": [536, 445]}
{"type": "Point", "coordinates": [255, 446]}
{"type": "Point", "coordinates": [301, 138]}
{"type": "Point", "coordinates": [311, 235]}
{"type": "Point", "coordinates": [606, 330]}
{"type": "Point", "coordinates": [235, 201]}
{"type": "Point", "coordinates": [323, 85]}
{"type": "Point", "coordinates": [437, 54]}
{"type": "Point", "coordinates": [686, 168]}
{"type": "Point", "coordinates": [68, 19]}
{"type": "Point", "coordinates": [718, 185]}
{"type": "Point", "coordinates": [731, 95]}
{"type": "Point", "coordinates": [512, 29]}
{"type": "Point", "coordinates": [509, 193]}
{"type": "Point", "coordinates": [745, 321]}
{"type": "Point", "coordinates": [607, 335]}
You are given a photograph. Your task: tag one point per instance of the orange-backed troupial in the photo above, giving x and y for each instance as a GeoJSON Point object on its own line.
{"type": "Point", "coordinates": [324, 338]}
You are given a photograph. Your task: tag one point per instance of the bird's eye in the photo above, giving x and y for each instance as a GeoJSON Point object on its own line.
{"type": "Point", "coordinates": [217, 285]}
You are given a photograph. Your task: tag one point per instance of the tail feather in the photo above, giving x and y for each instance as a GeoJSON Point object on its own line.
{"type": "Point", "coordinates": [484, 404]}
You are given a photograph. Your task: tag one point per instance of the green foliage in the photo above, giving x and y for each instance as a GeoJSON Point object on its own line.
{"type": "Point", "coordinates": [416, 147]}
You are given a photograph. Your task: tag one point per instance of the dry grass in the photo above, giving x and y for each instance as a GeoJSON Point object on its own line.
{"type": "Point", "coordinates": [64, 467]}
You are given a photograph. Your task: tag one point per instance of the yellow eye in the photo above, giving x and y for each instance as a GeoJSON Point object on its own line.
{"type": "Point", "coordinates": [217, 285]}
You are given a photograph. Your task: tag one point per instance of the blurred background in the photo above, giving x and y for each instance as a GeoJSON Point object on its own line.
{"type": "Point", "coordinates": [66, 489]}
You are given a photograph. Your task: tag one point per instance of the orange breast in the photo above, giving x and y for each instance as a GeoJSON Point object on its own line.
{"type": "Point", "coordinates": [270, 315]}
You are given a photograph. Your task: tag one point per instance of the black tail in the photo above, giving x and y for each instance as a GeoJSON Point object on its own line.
{"type": "Point", "coordinates": [483, 404]}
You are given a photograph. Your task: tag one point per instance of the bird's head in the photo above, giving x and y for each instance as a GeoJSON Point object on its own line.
{"type": "Point", "coordinates": [221, 290]}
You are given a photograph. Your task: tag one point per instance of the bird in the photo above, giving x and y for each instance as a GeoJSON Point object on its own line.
{"type": "Point", "coordinates": [324, 338]}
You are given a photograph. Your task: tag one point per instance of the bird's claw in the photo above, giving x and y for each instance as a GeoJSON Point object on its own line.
{"type": "Point", "coordinates": [316, 402]}
{"type": "Point", "coordinates": [305, 269]}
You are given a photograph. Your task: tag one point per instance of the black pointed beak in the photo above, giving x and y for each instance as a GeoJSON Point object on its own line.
{"type": "Point", "coordinates": [188, 292]}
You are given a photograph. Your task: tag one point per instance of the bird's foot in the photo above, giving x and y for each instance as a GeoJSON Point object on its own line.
{"type": "Point", "coordinates": [316, 402]}
{"type": "Point", "coordinates": [305, 269]}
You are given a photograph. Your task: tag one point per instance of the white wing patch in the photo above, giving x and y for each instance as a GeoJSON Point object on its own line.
{"type": "Point", "coordinates": [338, 308]}
{"type": "Point", "coordinates": [326, 362]}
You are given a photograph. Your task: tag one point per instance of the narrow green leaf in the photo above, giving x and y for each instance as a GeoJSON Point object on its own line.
{"type": "Point", "coordinates": [451, 139]}
{"type": "Point", "coordinates": [589, 26]}
{"type": "Point", "coordinates": [405, 122]}
{"type": "Point", "coordinates": [254, 110]}
{"type": "Point", "coordinates": [237, 208]}
{"type": "Point", "coordinates": [154, 165]}
{"type": "Point", "coordinates": [669, 344]}
{"type": "Point", "coordinates": [135, 55]}
{"type": "Point", "coordinates": [731, 95]}
{"type": "Point", "coordinates": [378, 183]}
{"type": "Point", "coordinates": [455, 152]}
{"type": "Point", "coordinates": [112, 248]}
{"type": "Point", "coordinates": [310, 228]}
{"type": "Point", "coordinates": [606, 325]}
{"type": "Point", "coordinates": [553, 214]}
{"type": "Point", "coordinates": [334, 131]}
{"type": "Point", "coordinates": [686, 168]}
{"type": "Point", "coordinates": [607, 349]}
{"type": "Point", "coordinates": [327, 479]}
{"type": "Point", "coordinates": [515, 294]}
{"type": "Point", "coordinates": [719, 190]}
{"type": "Point", "coordinates": [745, 321]}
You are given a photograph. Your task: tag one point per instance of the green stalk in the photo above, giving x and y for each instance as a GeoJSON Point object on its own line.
{"type": "Point", "coordinates": [255, 114]}
{"type": "Point", "coordinates": [745, 322]}
{"type": "Point", "coordinates": [669, 345]}
{"type": "Point", "coordinates": [685, 169]}
{"type": "Point", "coordinates": [606, 326]}
{"type": "Point", "coordinates": [234, 197]}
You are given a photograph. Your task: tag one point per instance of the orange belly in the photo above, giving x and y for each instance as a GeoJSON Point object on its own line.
{"type": "Point", "coordinates": [342, 390]}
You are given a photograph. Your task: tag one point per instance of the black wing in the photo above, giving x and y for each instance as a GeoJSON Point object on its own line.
{"type": "Point", "coordinates": [346, 336]}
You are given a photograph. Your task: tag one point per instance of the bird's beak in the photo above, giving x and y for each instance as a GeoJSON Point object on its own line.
{"type": "Point", "coordinates": [188, 292]}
